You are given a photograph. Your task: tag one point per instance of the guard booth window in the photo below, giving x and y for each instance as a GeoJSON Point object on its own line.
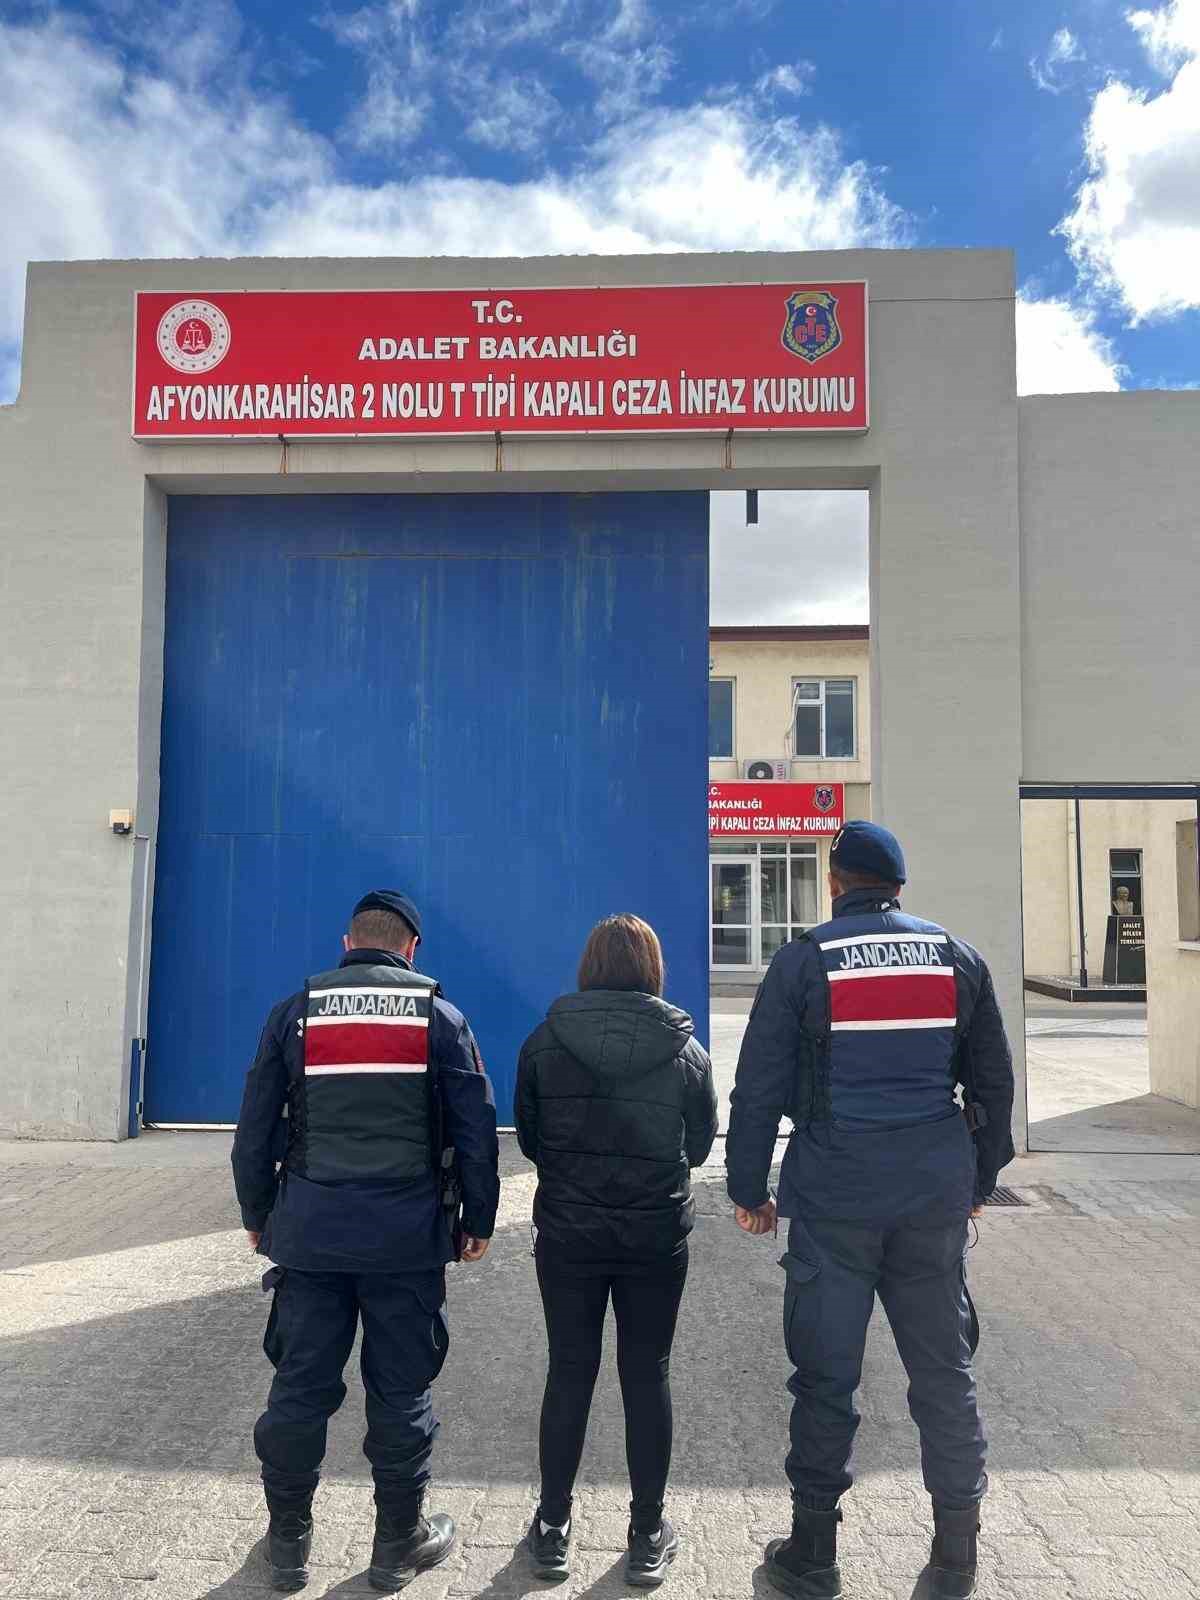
{"type": "Point", "coordinates": [1125, 881]}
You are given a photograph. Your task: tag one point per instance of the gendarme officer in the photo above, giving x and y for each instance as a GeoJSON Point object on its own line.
{"type": "Point", "coordinates": [378, 1074]}
{"type": "Point", "coordinates": [861, 1031]}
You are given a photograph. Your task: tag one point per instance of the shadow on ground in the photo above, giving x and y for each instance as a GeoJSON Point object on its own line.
{"type": "Point", "coordinates": [1070, 1380]}
{"type": "Point", "coordinates": [1141, 1125]}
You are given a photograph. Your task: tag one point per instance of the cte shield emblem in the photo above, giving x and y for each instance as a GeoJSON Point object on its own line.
{"type": "Point", "coordinates": [824, 798]}
{"type": "Point", "coordinates": [811, 330]}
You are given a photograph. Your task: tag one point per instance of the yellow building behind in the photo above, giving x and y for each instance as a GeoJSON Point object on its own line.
{"type": "Point", "coordinates": [797, 701]}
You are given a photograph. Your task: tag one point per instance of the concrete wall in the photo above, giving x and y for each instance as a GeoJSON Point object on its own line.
{"type": "Point", "coordinates": [81, 561]}
{"type": "Point", "coordinates": [1048, 886]}
{"type": "Point", "coordinates": [82, 609]}
{"type": "Point", "coordinates": [1172, 970]}
{"type": "Point", "coordinates": [1110, 511]}
{"type": "Point", "coordinates": [1110, 486]}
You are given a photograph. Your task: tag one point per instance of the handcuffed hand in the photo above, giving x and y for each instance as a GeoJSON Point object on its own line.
{"type": "Point", "coordinates": [761, 1220]}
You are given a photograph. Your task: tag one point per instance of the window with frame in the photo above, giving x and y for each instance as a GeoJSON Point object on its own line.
{"type": "Point", "coordinates": [720, 719]}
{"type": "Point", "coordinates": [1125, 881]}
{"type": "Point", "coordinates": [823, 719]}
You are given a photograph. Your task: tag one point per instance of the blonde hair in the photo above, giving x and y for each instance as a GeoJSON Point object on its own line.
{"type": "Point", "coordinates": [622, 952]}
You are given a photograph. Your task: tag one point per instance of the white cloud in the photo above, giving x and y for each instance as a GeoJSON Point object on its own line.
{"type": "Point", "coordinates": [718, 14]}
{"type": "Point", "coordinates": [397, 100]}
{"type": "Point", "coordinates": [481, 56]}
{"type": "Point", "coordinates": [511, 113]}
{"type": "Point", "coordinates": [707, 178]}
{"type": "Point", "coordinates": [1135, 229]}
{"type": "Point", "coordinates": [804, 561]}
{"type": "Point", "coordinates": [627, 58]}
{"type": "Point", "coordinates": [96, 161]}
{"type": "Point", "coordinates": [631, 20]}
{"type": "Point", "coordinates": [1060, 350]}
{"type": "Point", "coordinates": [496, 25]}
{"type": "Point", "coordinates": [794, 79]}
{"type": "Point", "coordinates": [1170, 34]}
{"type": "Point", "coordinates": [10, 373]}
{"type": "Point", "coordinates": [1046, 69]}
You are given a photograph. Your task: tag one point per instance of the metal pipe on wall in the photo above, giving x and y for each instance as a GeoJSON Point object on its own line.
{"type": "Point", "coordinates": [1083, 972]}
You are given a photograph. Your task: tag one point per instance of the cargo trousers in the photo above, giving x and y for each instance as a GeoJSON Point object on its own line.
{"type": "Point", "coordinates": [310, 1334]}
{"type": "Point", "coordinates": [834, 1272]}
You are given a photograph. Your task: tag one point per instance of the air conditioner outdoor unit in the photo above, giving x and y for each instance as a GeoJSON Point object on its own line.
{"type": "Point", "coordinates": [775, 769]}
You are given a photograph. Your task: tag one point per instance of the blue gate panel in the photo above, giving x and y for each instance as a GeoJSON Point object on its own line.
{"type": "Point", "coordinates": [495, 702]}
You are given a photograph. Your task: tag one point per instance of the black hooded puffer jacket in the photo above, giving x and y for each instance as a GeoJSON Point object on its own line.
{"type": "Point", "coordinates": [615, 1103]}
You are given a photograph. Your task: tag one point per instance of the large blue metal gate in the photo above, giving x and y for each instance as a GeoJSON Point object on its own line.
{"type": "Point", "coordinates": [496, 702]}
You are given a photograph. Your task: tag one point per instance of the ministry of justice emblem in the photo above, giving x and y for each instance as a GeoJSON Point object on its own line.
{"type": "Point", "coordinates": [194, 336]}
{"type": "Point", "coordinates": [811, 329]}
{"type": "Point", "coordinates": [824, 798]}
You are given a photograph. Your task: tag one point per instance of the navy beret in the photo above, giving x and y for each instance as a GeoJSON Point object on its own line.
{"type": "Point", "coordinates": [866, 847]}
{"type": "Point", "coordinates": [391, 900]}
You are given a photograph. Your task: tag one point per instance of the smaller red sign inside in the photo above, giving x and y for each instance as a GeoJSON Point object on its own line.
{"type": "Point", "coordinates": [754, 810]}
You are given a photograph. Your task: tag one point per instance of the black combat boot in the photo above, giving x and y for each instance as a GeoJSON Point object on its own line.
{"type": "Point", "coordinates": [806, 1564]}
{"type": "Point", "coordinates": [953, 1561]}
{"type": "Point", "coordinates": [289, 1539]}
{"type": "Point", "coordinates": [404, 1548]}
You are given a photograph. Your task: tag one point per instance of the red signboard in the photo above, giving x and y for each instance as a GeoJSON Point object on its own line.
{"type": "Point", "coordinates": [753, 810]}
{"type": "Point", "coordinates": [667, 359]}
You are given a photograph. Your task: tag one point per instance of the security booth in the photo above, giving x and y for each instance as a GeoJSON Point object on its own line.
{"type": "Point", "coordinates": [395, 572]}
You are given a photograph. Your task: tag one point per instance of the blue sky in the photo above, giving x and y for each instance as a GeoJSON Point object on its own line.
{"type": "Point", "coordinates": [1069, 131]}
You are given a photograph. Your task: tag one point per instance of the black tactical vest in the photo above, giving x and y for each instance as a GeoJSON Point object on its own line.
{"type": "Point", "coordinates": [362, 1113]}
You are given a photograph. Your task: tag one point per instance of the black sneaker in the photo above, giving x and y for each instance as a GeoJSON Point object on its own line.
{"type": "Point", "coordinates": [397, 1557]}
{"type": "Point", "coordinates": [650, 1555]}
{"type": "Point", "coordinates": [289, 1540]}
{"type": "Point", "coordinates": [549, 1549]}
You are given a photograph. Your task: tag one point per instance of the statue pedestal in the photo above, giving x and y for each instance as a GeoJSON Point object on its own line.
{"type": "Point", "coordinates": [1125, 950]}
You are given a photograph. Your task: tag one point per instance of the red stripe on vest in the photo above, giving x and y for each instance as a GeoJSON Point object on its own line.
{"type": "Point", "coordinates": [894, 998]}
{"type": "Point", "coordinates": [342, 1044]}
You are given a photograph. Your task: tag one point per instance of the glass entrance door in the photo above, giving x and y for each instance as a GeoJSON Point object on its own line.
{"type": "Point", "coordinates": [731, 891]}
{"type": "Point", "coordinates": [760, 896]}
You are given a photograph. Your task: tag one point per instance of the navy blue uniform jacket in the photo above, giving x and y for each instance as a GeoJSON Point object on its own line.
{"type": "Point", "coordinates": [880, 1137]}
{"type": "Point", "coordinates": [358, 1227]}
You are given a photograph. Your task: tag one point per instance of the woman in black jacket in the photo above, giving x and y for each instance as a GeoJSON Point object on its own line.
{"type": "Point", "coordinates": [615, 1104]}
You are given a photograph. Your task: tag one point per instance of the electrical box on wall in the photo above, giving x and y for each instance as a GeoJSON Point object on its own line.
{"type": "Point", "coordinates": [121, 821]}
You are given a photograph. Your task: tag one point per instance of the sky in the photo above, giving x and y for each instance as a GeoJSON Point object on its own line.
{"type": "Point", "coordinates": [1068, 131]}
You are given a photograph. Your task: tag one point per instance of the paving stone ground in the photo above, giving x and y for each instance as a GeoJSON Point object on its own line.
{"type": "Point", "coordinates": [131, 1373]}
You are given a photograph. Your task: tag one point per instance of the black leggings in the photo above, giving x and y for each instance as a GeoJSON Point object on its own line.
{"type": "Point", "coordinates": [645, 1298]}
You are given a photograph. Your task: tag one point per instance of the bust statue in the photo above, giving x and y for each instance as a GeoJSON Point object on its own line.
{"type": "Point", "coordinates": [1123, 903]}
